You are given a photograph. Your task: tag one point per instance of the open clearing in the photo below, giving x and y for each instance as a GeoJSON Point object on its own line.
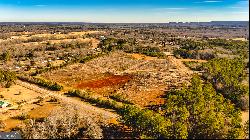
{"type": "Point", "coordinates": [45, 106]}
{"type": "Point", "coordinates": [141, 56]}
{"type": "Point", "coordinates": [17, 94]}
{"type": "Point", "coordinates": [35, 112]}
{"type": "Point", "coordinates": [107, 81]}
{"type": "Point", "coordinates": [135, 77]}
{"type": "Point", "coordinates": [51, 36]}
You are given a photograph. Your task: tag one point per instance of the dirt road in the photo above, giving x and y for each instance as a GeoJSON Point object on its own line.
{"type": "Point", "coordinates": [194, 60]}
{"type": "Point", "coordinates": [45, 93]}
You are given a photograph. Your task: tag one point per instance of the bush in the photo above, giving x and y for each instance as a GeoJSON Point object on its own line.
{"type": "Point", "coordinates": [77, 59]}
{"type": "Point", "coordinates": [7, 78]}
{"type": "Point", "coordinates": [246, 130]}
{"type": "Point", "coordinates": [21, 117]}
{"type": "Point", "coordinates": [41, 82]}
{"type": "Point", "coordinates": [145, 122]}
{"type": "Point", "coordinates": [100, 102]}
{"type": "Point", "coordinates": [5, 56]}
{"type": "Point", "coordinates": [63, 123]}
{"type": "Point", "coordinates": [196, 66]}
{"type": "Point", "coordinates": [119, 98]}
{"type": "Point", "coordinates": [244, 103]}
{"type": "Point", "coordinates": [2, 124]}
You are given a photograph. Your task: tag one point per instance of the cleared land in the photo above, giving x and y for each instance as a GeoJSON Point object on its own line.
{"type": "Point", "coordinates": [137, 78]}
{"type": "Point", "coordinates": [45, 106]}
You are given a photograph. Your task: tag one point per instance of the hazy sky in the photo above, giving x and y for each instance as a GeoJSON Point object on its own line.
{"type": "Point", "coordinates": [150, 11]}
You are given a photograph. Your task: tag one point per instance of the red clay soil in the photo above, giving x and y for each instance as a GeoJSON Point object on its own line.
{"type": "Point", "coordinates": [104, 82]}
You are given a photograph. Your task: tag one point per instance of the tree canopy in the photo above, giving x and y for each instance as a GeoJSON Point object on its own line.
{"type": "Point", "coordinates": [227, 75]}
{"type": "Point", "coordinates": [198, 112]}
{"type": "Point", "coordinates": [194, 112]}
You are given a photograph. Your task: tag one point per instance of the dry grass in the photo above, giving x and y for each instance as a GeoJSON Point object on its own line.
{"type": "Point", "coordinates": [42, 111]}
{"type": "Point", "coordinates": [49, 36]}
{"type": "Point", "coordinates": [57, 62]}
{"type": "Point", "coordinates": [11, 123]}
{"type": "Point", "coordinates": [17, 93]}
{"type": "Point", "coordinates": [32, 111]}
{"type": "Point", "coordinates": [245, 116]}
{"type": "Point", "coordinates": [139, 80]}
{"type": "Point", "coordinates": [141, 56]}
{"type": "Point", "coordinates": [93, 70]}
{"type": "Point", "coordinates": [193, 60]}
{"type": "Point", "coordinates": [107, 81]}
{"type": "Point", "coordinates": [241, 39]}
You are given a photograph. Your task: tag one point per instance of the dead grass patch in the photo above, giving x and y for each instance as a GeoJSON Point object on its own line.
{"type": "Point", "coordinates": [42, 111]}
{"type": "Point", "coordinates": [107, 81]}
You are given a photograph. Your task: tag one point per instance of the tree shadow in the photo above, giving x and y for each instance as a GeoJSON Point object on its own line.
{"type": "Point", "coordinates": [114, 131]}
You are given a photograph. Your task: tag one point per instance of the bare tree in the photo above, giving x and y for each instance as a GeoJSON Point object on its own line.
{"type": "Point", "coordinates": [63, 123]}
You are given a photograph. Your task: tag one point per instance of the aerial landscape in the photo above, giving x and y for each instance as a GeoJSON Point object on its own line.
{"type": "Point", "coordinates": [124, 70]}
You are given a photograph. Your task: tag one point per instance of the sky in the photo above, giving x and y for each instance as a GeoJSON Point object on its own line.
{"type": "Point", "coordinates": [123, 11]}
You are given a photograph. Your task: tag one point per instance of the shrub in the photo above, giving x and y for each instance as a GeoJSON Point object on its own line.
{"type": "Point", "coordinates": [7, 78]}
{"type": "Point", "coordinates": [244, 102]}
{"type": "Point", "coordinates": [21, 117]}
{"type": "Point", "coordinates": [2, 124]}
{"type": "Point", "coordinates": [77, 59]}
{"type": "Point", "coordinates": [119, 98]}
{"type": "Point", "coordinates": [246, 130]}
{"type": "Point", "coordinates": [63, 123]}
{"type": "Point", "coordinates": [100, 102]}
{"type": "Point", "coordinates": [53, 99]}
{"type": "Point", "coordinates": [145, 122]}
{"type": "Point", "coordinates": [196, 66]}
{"type": "Point", "coordinates": [5, 56]}
{"type": "Point", "coordinates": [41, 82]}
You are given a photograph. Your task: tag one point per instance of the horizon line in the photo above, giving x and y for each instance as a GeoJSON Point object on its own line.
{"type": "Point", "coordinates": [121, 22]}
